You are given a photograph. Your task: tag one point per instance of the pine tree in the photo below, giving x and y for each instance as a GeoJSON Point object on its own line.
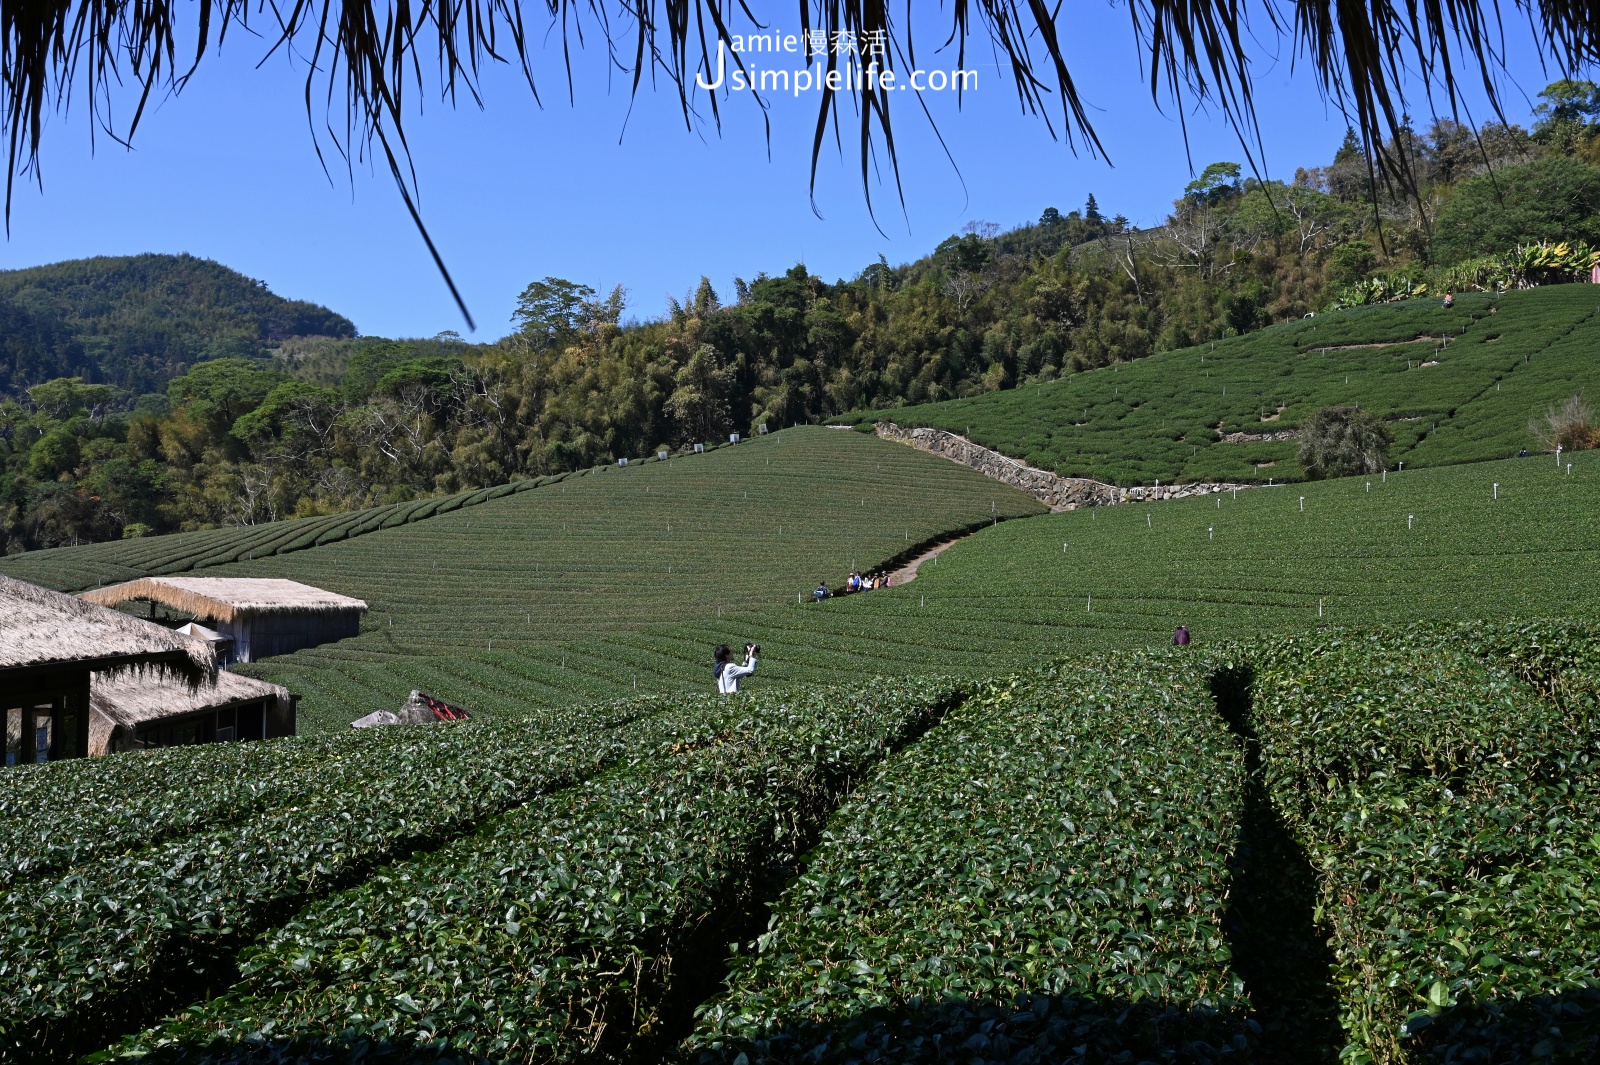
{"type": "Point", "coordinates": [1351, 148]}
{"type": "Point", "coordinates": [1091, 210]}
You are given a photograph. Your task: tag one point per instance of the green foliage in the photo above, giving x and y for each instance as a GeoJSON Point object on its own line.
{"type": "Point", "coordinates": [1216, 183]}
{"type": "Point", "coordinates": [1061, 841]}
{"type": "Point", "coordinates": [1451, 813]}
{"type": "Point", "coordinates": [560, 928]}
{"type": "Point", "coordinates": [1387, 288]}
{"type": "Point", "coordinates": [220, 392]}
{"type": "Point", "coordinates": [1568, 101]}
{"type": "Point", "coordinates": [68, 397]}
{"type": "Point", "coordinates": [1353, 261]}
{"type": "Point", "coordinates": [203, 890]}
{"type": "Point", "coordinates": [1456, 385]}
{"type": "Point", "coordinates": [1524, 266]}
{"type": "Point", "coordinates": [136, 322]}
{"type": "Point", "coordinates": [1551, 199]}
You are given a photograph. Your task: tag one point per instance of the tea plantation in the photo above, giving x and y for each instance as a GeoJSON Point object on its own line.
{"type": "Point", "coordinates": [986, 816]}
{"type": "Point", "coordinates": [1430, 544]}
{"type": "Point", "coordinates": [547, 573]}
{"type": "Point", "coordinates": [1456, 385]}
{"type": "Point", "coordinates": [1370, 847]}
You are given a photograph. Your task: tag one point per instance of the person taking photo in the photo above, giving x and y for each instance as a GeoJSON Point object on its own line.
{"type": "Point", "coordinates": [728, 672]}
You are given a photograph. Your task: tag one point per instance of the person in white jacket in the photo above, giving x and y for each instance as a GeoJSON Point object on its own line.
{"type": "Point", "coordinates": [728, 672]}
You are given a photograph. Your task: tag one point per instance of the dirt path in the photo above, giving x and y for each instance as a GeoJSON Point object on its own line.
{"type": "Point", "coordinates": [908, 572]}
{"type": "Point", "coordinates": [1384, 344]}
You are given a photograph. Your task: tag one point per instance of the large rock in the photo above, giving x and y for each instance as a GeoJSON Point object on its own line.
{"type": "Point", "coordinates": [418, 709]}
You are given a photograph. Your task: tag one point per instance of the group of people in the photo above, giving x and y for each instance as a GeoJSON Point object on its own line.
{"type": "Point", "coordinates": [856, 582]}
{"type": "Point", "coordinates": [871, 582]}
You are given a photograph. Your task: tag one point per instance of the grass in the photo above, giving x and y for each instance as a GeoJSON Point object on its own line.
{"type": "Point", "coordinates": [1455, 386]}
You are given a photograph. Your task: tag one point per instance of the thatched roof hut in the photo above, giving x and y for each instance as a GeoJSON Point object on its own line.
{"type": "Point", "coordinates": [45, 631]}
{"type": "Point", "coordinates": [50, 647]}
{"type": "Point", "coordinates": [128, 712]}
{"type": "Point", "coordinates": [262, 616]}
{"type": "Point", "coordinates": [228, 599]}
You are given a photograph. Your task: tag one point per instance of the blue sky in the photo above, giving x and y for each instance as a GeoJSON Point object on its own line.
{"type": "Point", "coordinates": [595, 194]}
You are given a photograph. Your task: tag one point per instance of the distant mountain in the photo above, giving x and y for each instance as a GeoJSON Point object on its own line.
{"type": "Point", "coordinates": [138, 321]}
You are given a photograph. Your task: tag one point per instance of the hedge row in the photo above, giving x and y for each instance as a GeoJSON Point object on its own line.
{"type": "Point", "coordinates": [570, 924]}
{"type": "Point", "coordinates": [86, 955]}
{"type": "Point", "coordinates": [1451, 809]}
{"type": "Point", "coordinates": [1042, 878]}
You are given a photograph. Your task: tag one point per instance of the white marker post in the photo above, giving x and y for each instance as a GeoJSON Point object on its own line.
{"type": "Point", "coordinates": [1302, 504]}
{"type": "Point", "coordinates": [1211, 532]}
{"type": "Point", "coordinates": [1497, 490]}
{"type": "Point", "coordinates": [1409, 519]}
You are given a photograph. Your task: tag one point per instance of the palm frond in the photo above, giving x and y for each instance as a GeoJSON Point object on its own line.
{"type": "Point", "coordinates": [366, 57]}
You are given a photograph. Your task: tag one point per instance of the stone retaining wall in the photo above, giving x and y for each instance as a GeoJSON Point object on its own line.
{"type": "Point", "coordinates": [1051, 489]}
{"type": "Point", "coordinates": [1257, 438]}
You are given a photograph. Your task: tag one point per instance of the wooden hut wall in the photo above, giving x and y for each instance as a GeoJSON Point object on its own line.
{"type": "Point", "coordinates": [264, 635]}
{"type": "Point", "coordinates": [281, 718]}
{"type": "Point", "coordinates": [242, 721]}
{"type": "Point", "coordinates": [52, 706]}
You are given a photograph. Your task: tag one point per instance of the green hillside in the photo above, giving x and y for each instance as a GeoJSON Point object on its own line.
{"type": "Point", "coordinates": [1086, 847]}
{"type": "Point", "coordinates": [75, 569]}
{"type": "Point", "coordinates": [138, 321]}
{"type": "Point", "coordinates": [561, 577]}
{"type": "Point", "coordinates": [1172, 857]}
{"type": "Point", "coordinates": [1455, 385]}
{"type": "Point", "coordinates": [1001, 599]}
{"type": "Point", "coordinates": [621, 579]}
{"type": "Point", "coordinates": [1429, 545]}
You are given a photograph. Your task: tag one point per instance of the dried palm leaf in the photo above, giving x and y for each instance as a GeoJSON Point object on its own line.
{"type": "Point", "coordinates": [368, 56]}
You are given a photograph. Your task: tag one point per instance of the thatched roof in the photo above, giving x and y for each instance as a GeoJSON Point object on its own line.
{"type": "Point", "coordinates": [228, 599]}
{"type": "Point", "coordinates": [41, 629]}
{"type": "Point", "coordinates": [131, 701]}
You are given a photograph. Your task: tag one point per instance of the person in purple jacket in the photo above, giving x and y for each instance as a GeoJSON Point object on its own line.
{"type": "Point", "coordinates": [1180, 637]}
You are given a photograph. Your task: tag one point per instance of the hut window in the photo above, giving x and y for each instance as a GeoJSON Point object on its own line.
{"type": "Point", "coordinates": [227, 724]}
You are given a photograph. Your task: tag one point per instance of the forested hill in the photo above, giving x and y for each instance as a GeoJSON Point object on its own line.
{"type": "Point", "coordinates": [136, 322]}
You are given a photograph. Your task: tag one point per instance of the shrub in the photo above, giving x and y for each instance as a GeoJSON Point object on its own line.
{"type": "Point", "coordinates": [1341, 441]}
{"type": "Point", "coordinates": [1568, 425]}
